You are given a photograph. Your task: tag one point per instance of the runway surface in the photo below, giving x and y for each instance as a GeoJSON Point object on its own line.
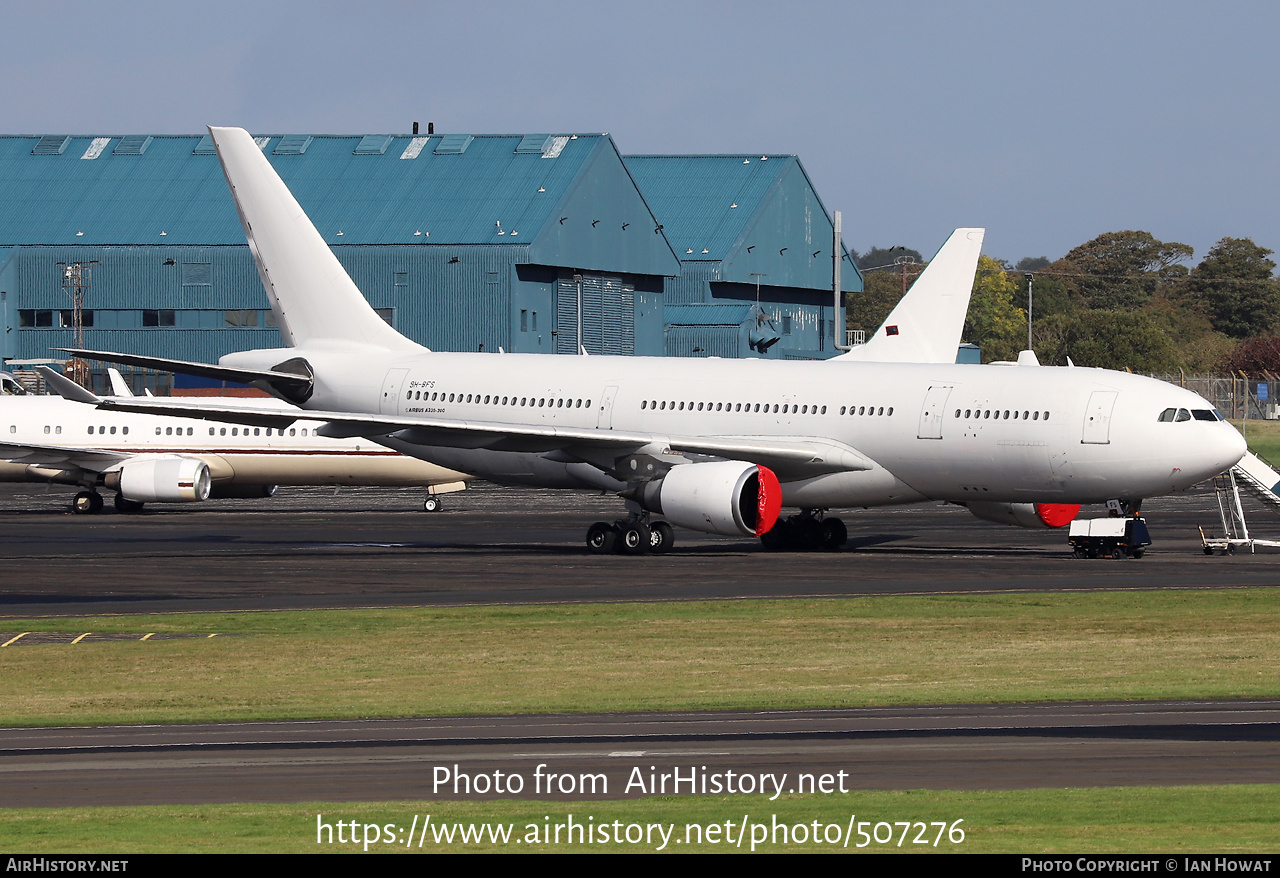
{"type": "Point", "coordinates": [314, 549]}
{"type": "Point", "coordinates": [308, 548]}
{"type": "Point", "coordinates": [624, 756]}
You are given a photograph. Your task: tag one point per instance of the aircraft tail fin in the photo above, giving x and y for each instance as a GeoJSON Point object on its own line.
{"type": "Point", "coordinates": [926, 324]}
{"type": "Point", "coordinates": [311, 294]}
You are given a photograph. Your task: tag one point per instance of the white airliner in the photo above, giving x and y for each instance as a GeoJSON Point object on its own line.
{"type": "Point", "coordinates": [149, 458]}
{"type": "Point", "coordinates": [714, 445]}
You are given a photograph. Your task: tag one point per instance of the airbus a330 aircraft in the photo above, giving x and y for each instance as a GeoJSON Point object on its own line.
{"type": "Point", "coordinates": [149, 458]}
{"type": "Point", "coordinates": [718, 446]}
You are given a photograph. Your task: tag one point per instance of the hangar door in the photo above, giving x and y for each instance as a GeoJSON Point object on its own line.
{"type": "Point", "coordinates": [608, 315]}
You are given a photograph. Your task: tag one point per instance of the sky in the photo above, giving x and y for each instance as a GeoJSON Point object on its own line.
{"type": "Point", "coordinates": [1046, 123]}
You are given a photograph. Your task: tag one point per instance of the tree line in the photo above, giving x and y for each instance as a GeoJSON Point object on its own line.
{"type": "Point", "coordinates": [1123, 300]}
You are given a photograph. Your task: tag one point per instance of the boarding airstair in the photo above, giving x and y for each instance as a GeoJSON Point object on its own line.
{"type": "Point", "coordinates": [1255, 476]}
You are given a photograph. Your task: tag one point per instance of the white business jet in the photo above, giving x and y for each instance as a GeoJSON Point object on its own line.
{"type": "Point", "coordinates": [150, 458]}
{"type": "Point", "coordinates": [718, 446]}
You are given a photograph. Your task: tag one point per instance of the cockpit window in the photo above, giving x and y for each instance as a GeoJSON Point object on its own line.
{"type": "Point", "coordinates": [1204, 415]}
{"type": "Point", "coordinates": [1183, 415]}
{"type": "Point", "coordinates": [1167, 415]}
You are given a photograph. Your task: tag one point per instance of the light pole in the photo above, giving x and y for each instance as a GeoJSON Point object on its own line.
{"type": "Point", "coordinates": [1031, 278]}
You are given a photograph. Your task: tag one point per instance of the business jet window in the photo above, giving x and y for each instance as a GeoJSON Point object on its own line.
{"type": "Point", "coordinates": [190, 430]}
{"type": "Point", "coordinates": [304, 431]}
{"type": "Point", "coordinates": [113, 431]}
{"type": "Point", "coordinates": [91, 428]}
{"type": "Point", "coordinates": [157, 431]}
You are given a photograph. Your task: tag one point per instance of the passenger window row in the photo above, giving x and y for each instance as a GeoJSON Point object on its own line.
{"type": "Point", "coordinates": [492, 399]}
{"type": "Point", "coordinates": [763, 408]}
{"type": "Point", "coordinates": [986, 414]}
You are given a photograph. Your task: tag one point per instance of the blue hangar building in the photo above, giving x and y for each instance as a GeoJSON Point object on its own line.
{"type": "Point", "coordinates": [530, 243]}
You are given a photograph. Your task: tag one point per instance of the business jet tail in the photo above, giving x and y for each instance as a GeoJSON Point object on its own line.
{"type": "Point", "coordinates": [926, 324]}
{"type": "Point", "coordinates": [316, 304]}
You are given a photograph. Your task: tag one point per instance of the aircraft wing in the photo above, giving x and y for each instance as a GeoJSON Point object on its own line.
{"type": "Point", "coordinates": [94, 459]}
{"type": "Point", "coordinates": [789, 457]}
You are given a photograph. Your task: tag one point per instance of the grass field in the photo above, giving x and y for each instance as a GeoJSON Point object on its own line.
{"type": "Point", "coordinates": [615, 657]}
{"type": "Point", "coordinates": [1263, 438]}
{"type": "Point", "coordinates": [1123, 819]}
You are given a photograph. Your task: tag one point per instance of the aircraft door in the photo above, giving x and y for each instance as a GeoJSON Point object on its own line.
{"type": "Point", "coordinates": [935, 406]}
{"type": "Point", "coordinates": [1097, 418]}
{"type": "Point", "coordinates": [389, 402]}
{"type": "Point", "coordinates": [605, 419]}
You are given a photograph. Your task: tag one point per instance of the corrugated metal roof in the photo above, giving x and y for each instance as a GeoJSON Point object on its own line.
{"type": "Point", "coordinates": [176, 187]}
{"type": "Point", "coordinates": [705, 202]}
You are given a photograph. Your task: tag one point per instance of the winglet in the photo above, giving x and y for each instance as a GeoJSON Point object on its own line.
{"type": "Point", "coordinates": [926, 324]}
{"type": "Point", "coordinates": [66, 388]}
{"type": "Point", "coordinates": [118, 385]}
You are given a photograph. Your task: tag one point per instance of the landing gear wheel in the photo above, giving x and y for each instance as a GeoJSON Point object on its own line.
{"type": "Point", "coordinates": [431, 504]}
{"type": "Point", "coordinates": [662, 537]}
{"type": "Point", "coordinates": [87, 503]}
{"type": "Point", "coordinates": [777, 538]}
{"type": "Point", "coordinates": [835, 534]}
{"type": "Point", "coordinates": [126, 506]}
{"type": "Point", "coordinates": [634, 538]}
{"type": "Point", "coordinates": [602, 537]}
{"type": "Point", "coordinates": [810, 534]}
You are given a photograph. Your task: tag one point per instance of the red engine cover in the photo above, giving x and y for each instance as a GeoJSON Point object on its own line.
{"type": "Point", "coordinates": [769, 501]}
{"type": "Point", "coordinates": [1057, 514]}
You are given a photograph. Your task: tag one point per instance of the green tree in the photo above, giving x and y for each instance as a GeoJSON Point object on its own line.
{"type": "Point", "coordinates": [994, 323]}
{"type": "Point", "coordinates": [881, 290]}
{"type": "Point", "coordinates": [1109, 340]}
{"type": "Point", "coordinates": [1235, 286]}
{"type": "Point", "coordinates": [1122, 270]}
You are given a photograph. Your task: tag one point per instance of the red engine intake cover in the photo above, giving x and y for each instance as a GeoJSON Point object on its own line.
{"type": "Point", "coordinates": [1057, 514]}
{"type": "Point", "coordinates": [769, 501]}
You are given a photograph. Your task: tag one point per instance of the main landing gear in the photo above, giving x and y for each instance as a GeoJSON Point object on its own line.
{"type": "Point", "coordinates": [90, 503]}
{"type": "Point", "coordinates": [807, 532]}
{"type": "Point", "coordinates": [633, 536]}
{"type": "Point", "coordinates": [86, 503]}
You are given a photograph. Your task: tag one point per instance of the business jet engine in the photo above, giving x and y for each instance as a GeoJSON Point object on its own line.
{"type": "Point", "coordinates": [731, 498]}
{"type": "Point", "coordinates": [1037, 515]}
{"type": "Point", "coordinates": [161, 479]}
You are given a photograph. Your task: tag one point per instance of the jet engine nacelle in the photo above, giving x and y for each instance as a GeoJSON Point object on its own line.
{"type": "Point", "coordinates": [162, 480]}
{"type": "Point", "coordinates": [1026, 514]}
{"type": "Point", "coordinates": [730, 498]}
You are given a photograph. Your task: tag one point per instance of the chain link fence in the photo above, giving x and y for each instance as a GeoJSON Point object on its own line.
{"type": "Point", "coordinates": [1235, 397]}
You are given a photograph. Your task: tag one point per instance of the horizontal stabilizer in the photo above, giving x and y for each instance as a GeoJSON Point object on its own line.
{"type": "Point", "coordinates": [293, 386]}
{"type": "Point", "coordinates": [926, 324]}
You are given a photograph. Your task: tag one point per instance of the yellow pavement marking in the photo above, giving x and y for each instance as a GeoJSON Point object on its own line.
{"type": "Point", "coordinates": [148, 636]}
{"type": "Point", "coordinates": [214, 634]}
{"type": "Point", "coordinates": [13, 639]}
{"type": "Point", "coordinates": [81, 637]}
